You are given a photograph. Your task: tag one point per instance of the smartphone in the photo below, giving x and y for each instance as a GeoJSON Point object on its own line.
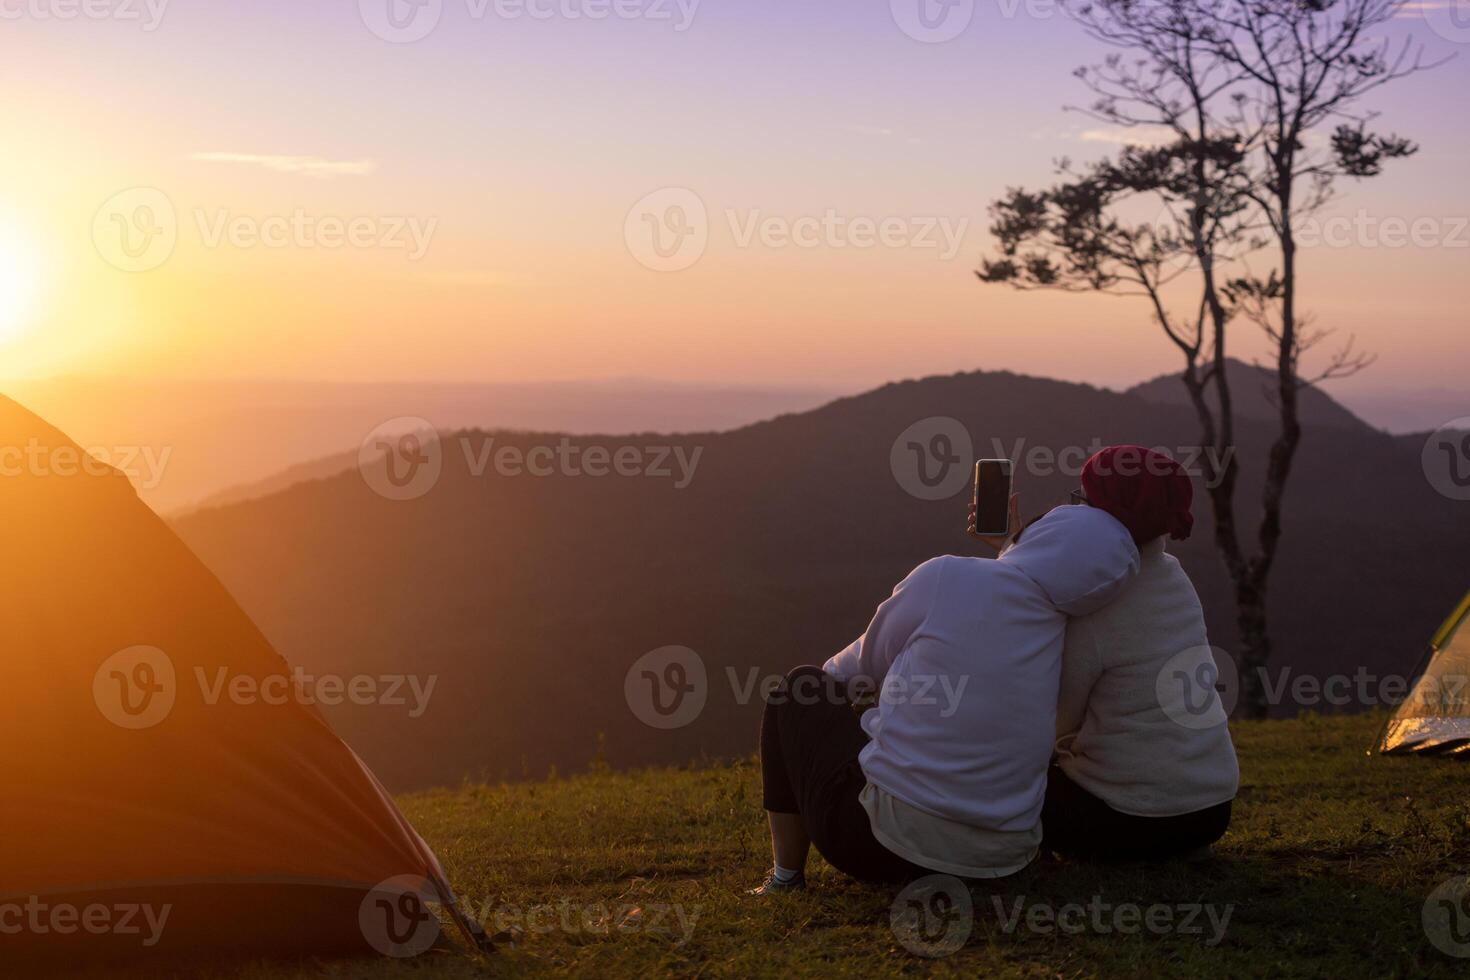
{"type": "Point", "coordinates": [993, 497]}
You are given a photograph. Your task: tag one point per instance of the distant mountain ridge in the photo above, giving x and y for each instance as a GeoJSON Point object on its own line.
{"type": "Point", "coordinates": [1251, 387]}
{"type": "Point", "coordinates": [317, 469]}
{"type": "Point", "coordinates": [214, 438]}
{"type": "Point", "coordinates": [1253, 396]}
{"type": "Point", "coordinates": [200, 444]}
{"type": "Point", "coordinates": [529, 597]}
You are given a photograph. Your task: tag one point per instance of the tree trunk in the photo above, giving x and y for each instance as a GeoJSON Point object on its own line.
{"type": "Point", "coordinates": [1251, 595]}
{"type": "Point", "coordinates": [1255, 648]}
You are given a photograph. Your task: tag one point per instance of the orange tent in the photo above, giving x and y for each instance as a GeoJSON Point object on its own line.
{"type": "Point", "coordinates": [151, 797]}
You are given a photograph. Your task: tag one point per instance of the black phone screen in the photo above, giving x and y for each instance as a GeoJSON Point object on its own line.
{"type": "Point", "coordinates": [992, 496]}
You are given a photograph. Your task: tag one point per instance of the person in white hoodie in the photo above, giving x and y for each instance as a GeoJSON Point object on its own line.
{"type": "Point", "coordinates": [947, 773]}
{"type": "Point", "coordinates": [1145, 766]}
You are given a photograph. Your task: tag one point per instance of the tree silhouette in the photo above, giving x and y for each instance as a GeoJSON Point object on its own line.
{"type": "Point", "coordinates": [1232, 101]}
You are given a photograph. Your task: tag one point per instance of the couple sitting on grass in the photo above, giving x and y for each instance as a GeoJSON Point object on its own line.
{"type": "Point", "coordinates": [1024, 704]}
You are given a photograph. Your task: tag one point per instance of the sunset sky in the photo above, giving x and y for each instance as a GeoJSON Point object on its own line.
{"type": "Point", "coordinates": [515, 147]}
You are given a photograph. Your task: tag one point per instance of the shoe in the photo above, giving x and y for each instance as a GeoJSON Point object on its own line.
{"type": "Point", "coordinates": [773, 887]}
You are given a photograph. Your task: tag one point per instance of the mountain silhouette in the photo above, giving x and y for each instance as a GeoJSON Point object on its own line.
{"type": "Point", "coordinates": [1253, 396]}
{"type": "Point", "coordinates": [196, 443]}
{"type": "Point", "coordinates": [529, 598]}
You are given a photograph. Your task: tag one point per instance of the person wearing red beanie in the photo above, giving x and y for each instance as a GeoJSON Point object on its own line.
{"type": "Point", "coordinates": [1149, 492]}
{"type": "Point", "coordinates": [1144, 767]}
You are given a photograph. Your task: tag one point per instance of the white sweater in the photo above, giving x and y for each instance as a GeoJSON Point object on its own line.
{"type": "Point", "coordinates": [968, 653]}
{"type": "Point", "coordinates": [1115, 737]}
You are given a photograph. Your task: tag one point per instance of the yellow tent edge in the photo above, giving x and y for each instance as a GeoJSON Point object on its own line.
{"type": "Point", "coordinates": [1451, 624]}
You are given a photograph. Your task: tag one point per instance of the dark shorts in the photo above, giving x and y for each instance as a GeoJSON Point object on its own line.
{"type": "Point", "coordinates": [1078, 824]}
{"type": "Point", "coordinates": [810, 740]}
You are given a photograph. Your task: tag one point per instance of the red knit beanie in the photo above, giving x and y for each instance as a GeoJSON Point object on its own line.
{"type": "Point", "coordinates": [1147, 491]}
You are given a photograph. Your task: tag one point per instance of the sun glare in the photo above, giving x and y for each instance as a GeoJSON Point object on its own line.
{"type": "Point", "coordinates": [19, 282]}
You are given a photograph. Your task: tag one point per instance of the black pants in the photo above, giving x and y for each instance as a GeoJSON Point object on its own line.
{"type": "Point", "coordinates": [1077, 824]}
{"type": "Point", "coordinates": [810, 740]}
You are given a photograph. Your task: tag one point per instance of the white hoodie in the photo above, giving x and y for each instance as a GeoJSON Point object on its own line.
{"type": "Point", "coordinates": [967, 653]}
{"type": "Point", "coordinates": [1125, 732]}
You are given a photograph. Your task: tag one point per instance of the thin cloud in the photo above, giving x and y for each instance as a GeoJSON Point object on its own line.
{"type": "Point", "coordinates": [1130, 136]}
{"type": "Point", "coordinates": [307, 165]}
{"type": "Point", "coordinates": [863, 130]}
{"type": "Point", "coordinates": [875, 132]}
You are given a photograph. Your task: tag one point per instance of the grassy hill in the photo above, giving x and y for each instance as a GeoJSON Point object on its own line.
{"type": "Point", "coordinates": [1325, 873]}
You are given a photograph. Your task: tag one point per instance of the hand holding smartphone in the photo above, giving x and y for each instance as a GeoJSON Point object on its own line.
{"type": "Point", "coordinates": [993, 497]}
{"type": "Point", "coordinates": [993, 511]}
